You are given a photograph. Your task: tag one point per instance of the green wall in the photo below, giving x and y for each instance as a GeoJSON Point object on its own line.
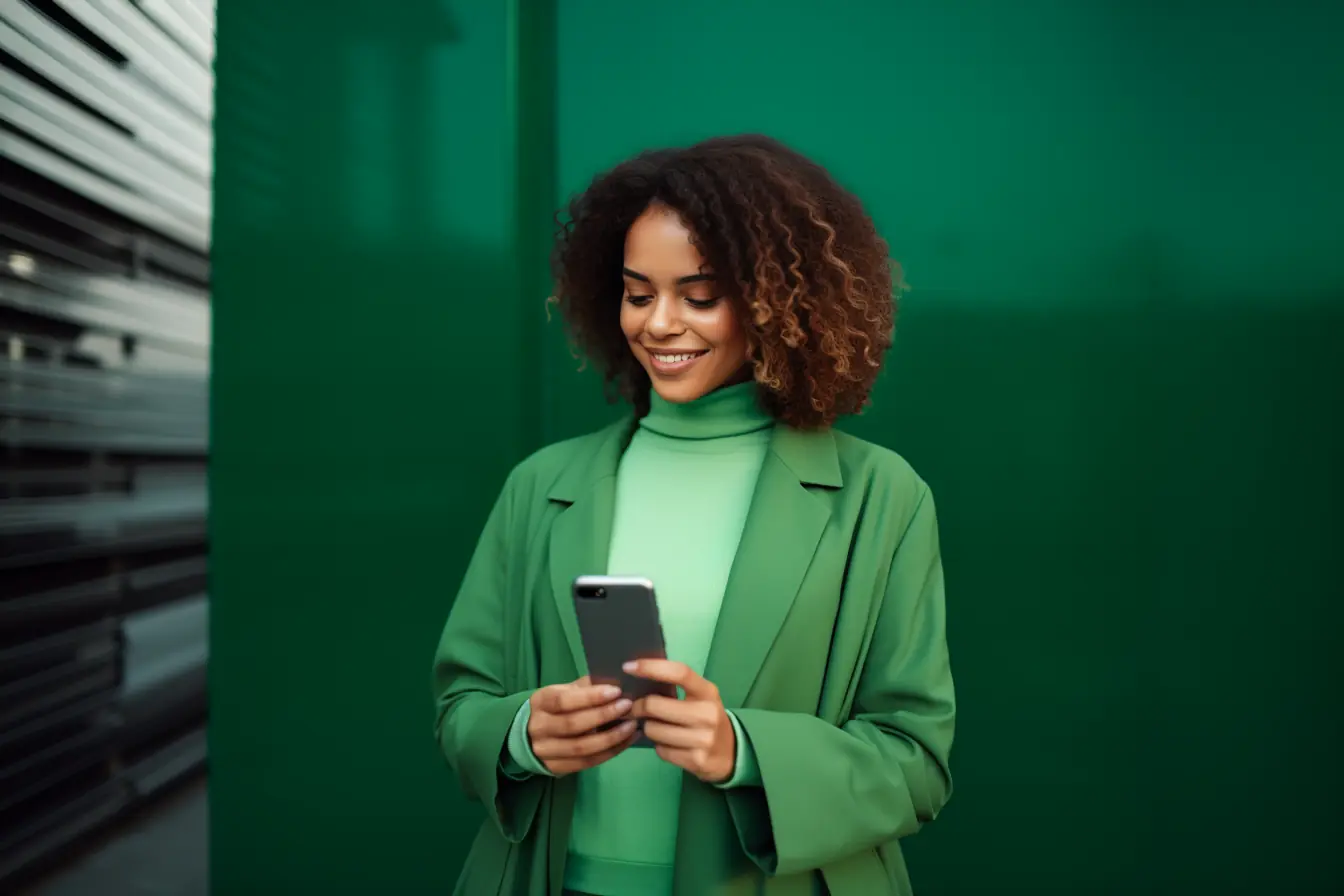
{"type": "Point", "coordinates": [1120, 368]}
{"type": "Point", "coordinates": [371, 356]}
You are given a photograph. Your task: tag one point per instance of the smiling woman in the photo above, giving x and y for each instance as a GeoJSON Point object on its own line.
{"type": "Point", "coordinates": [741, 301]}
{"type": "Point", "coordinates": [681, 328]}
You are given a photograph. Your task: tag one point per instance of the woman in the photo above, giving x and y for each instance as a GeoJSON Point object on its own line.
{"type": "Point", "coordinates": [741, 301]}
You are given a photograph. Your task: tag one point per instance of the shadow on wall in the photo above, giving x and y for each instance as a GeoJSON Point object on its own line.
{"type": "Point", "coordinates": [365, 406]}
{"type": "Point", "coordinates": [1141, 507]}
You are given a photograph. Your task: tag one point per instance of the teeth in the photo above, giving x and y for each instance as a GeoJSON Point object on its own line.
{"type": "Point", "coordinates": [673, 359]}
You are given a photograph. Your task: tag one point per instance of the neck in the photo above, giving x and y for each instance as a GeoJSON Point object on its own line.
{"type": "Point", "coordinates": [727, 411]}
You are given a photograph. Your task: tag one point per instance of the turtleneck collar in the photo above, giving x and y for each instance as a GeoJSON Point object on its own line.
{"type": "Point", "coordinates": [729, 411]}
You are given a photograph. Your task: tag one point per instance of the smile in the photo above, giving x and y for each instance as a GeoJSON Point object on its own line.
{"type": "Point", "coordinates": [674, 362]}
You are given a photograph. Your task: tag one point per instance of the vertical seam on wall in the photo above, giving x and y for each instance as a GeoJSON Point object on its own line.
{"type": "Point", "coordinates": [530, 57]}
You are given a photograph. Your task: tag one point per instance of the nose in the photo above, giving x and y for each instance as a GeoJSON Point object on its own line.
{"type": "Point", "coordinates": [664, 321]}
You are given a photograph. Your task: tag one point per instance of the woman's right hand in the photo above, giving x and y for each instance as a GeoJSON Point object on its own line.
{"type": "Point", "coordinates": [562, 727]}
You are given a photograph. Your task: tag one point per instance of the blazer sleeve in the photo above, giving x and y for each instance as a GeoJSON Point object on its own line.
{"type": "Point", "coordinates": [828, 792]}
{"type": "Point", "coordinates": [475, 708]}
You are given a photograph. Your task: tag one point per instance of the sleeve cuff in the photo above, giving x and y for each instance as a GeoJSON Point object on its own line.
{"type": "Point", "coordinates": [518, 761]}
{"type": "Point", "coordinates": [746, 773]}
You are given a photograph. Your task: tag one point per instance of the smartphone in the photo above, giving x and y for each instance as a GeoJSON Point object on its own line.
{"type": "Point", "coordinates": [618, 622]}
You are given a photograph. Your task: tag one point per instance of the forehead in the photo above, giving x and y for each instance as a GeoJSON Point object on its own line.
{"type": "Point", "coordinates": [660, 244]}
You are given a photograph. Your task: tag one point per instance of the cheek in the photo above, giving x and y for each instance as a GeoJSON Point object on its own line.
{"type": "Point", "coordinates": [726, 332]}
{"type": "Point", "coordinates": [631, 322]}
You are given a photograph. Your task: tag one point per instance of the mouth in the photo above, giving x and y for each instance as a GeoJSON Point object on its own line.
{"type": "Point", "coordinates": [674, 362]}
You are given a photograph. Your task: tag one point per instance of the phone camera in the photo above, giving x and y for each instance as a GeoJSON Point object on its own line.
{"type": "Point", "coordinates": [599, 592]}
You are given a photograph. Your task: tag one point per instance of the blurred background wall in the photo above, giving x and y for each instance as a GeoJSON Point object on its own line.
{"type": "Point", "coordinates": [1120, 367]}
{"type": "Point", "coordinates": [381, 198]}
{"type": "Point", "coordinates": [105, 165]}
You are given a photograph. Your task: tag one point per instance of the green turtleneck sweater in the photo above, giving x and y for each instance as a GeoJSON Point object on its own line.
{"type": "Point", "coordinates": [682, 493]}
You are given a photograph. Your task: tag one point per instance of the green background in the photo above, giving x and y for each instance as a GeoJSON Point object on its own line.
{"type": "Point", "coordinates": [1121, 368]}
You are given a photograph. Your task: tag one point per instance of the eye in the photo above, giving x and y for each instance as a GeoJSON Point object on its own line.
{"type": "Point", "coordinates": [639, 300]}
{"type": "Point", "coordinates": [704, 304]}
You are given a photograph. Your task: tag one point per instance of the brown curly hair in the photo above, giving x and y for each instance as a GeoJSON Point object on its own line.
{"type": "Point", "coordinates": [803, 263]}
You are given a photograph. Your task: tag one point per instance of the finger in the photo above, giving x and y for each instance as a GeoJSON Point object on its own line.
{"type": "Point", "coordinates": [668, 735]}
{"type": "Point", "coordinates": [562, 698]}
{"type": "Point", "coordinates": [691, 713]}
{"type": "Point", "coordinates": [696, 762]}
{"type": "Point", "coordinates": [569, 766]}
{"type": "Point", "coordinates": [584, 746]}
{"type": "Point", "coordinates": [580, 749]}
{"type": "Point", "coordinates": [678, 756]}
{"type": "Point", "coordinates": [573, 699]}
{"type": "Point", "coordinates": [673, 672]}
{"type": "Point", "coordinates": [582, 721]}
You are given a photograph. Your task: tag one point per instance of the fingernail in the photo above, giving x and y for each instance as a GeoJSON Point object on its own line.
{"type": "Point", "coordinates": [628, 725]}
{"type": "Point", "coordinates": [610, 690]}
{"type": "Point", "coordinates": [630, 666]}
{"type": "Point", "coordinates": [623, 705]}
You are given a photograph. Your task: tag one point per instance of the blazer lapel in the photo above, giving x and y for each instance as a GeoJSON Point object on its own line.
{"type": "Point", "coordinates": [784, 525]}
{"type": "Point", "coordinates": [581, 534]}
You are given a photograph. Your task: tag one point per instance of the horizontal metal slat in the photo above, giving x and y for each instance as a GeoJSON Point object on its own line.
{"type": "Point", "coordinates": [112, 385]}
{"type": "Point", "coordinates": [122, 35]}
{"type": "Point", "coordinates": [71, 601]}
{"type": "Point", "coordinates": [169, 763]}
{"type": "Point", "coordinates": [97, 313]}
{"type": "Point", "coordinates": [85, 711]}
{"type": "Point", "coordinates": [163, 412]}
{"type": "Point", "coordinates": [83, 478]}
{"type": "Point", "coordinates": [97, 230]}
{"type": "Point", "coordinates": [43, 161]}
{"type": "Point", "coordinates": [113, 305]}
{"type": "Point", "coordinates": [100, 515]}
{"type": "Point", "coordinates": [62, 826]}
{"type": "Point", "coordinates": [142, 296]}
{"type": "Point", "coordinates": [50, 689]}
{"type": "Point", "coordinates": [170, 703]}
{"type": "Point", "coordinates": [151, 358]}
{"type": "Point", "coordinates": [191, 24]}
{"type": "Point", "coordinates": [37, 653]}
{"type": "Point", "coordinates": [16, 234]}
{"type": "Point", "coordinates": [188, 78]}
{"type": "Point", "coordinates": [36, 532]}
{"type": "Point", "coordinates": [50, 51]}
{"type": "Point", "coordinates": [65, 437]}
{"type": "Point", "coordinates": [132, 589]}
{"type": "Point", "coordinates": [188, 264]}
{"type": "Point", "coordinates": [157, 576]}
{"type": "Point", "coordinates": [67, 408]}
{"type": "Point", "coordinates": [165, 642]}
{"type": "Point", "coordinates": [94, 143]}
{"type": "Point", "coordinates": [44, 768]}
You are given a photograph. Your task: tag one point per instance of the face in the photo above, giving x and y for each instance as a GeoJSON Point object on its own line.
{"type": "Point", "coordinates": [680, 325]}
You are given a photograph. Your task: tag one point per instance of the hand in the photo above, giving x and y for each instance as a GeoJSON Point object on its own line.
{"type": "Point", "coordinates": [563, 722]}
{"type": "Point", "coordinates": [695, 733]}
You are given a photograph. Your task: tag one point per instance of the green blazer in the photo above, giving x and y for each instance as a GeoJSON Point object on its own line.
{"type": "Point", "coordinates": [830, 648]}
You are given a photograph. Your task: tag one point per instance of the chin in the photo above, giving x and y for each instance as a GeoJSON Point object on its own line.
{"type": "Point", "coordinates": [679, 393]}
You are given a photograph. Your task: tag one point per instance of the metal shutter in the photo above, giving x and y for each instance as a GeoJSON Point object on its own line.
{"type": "Point", "coordinates": [105, 155]}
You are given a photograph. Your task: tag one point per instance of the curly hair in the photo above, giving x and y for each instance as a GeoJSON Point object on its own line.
{"type": "Point", "coordinates": [802, 262]}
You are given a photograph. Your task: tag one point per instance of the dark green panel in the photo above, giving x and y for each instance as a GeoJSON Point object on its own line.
{"type": "Point", "coordinates": [1121, 368]}
{"type": "Point", "coordinates": [378, 180]}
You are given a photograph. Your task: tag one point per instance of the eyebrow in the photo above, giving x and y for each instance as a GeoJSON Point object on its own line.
{"type": "Point", "coordinates": [681, 281]}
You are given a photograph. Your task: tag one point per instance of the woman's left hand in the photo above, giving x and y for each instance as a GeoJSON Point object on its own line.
{"type": "Point", "coordinates": [694, 733]}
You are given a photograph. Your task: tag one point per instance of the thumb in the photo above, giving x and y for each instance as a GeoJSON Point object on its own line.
{"type": "Point", "coordinates": [545, 699]}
